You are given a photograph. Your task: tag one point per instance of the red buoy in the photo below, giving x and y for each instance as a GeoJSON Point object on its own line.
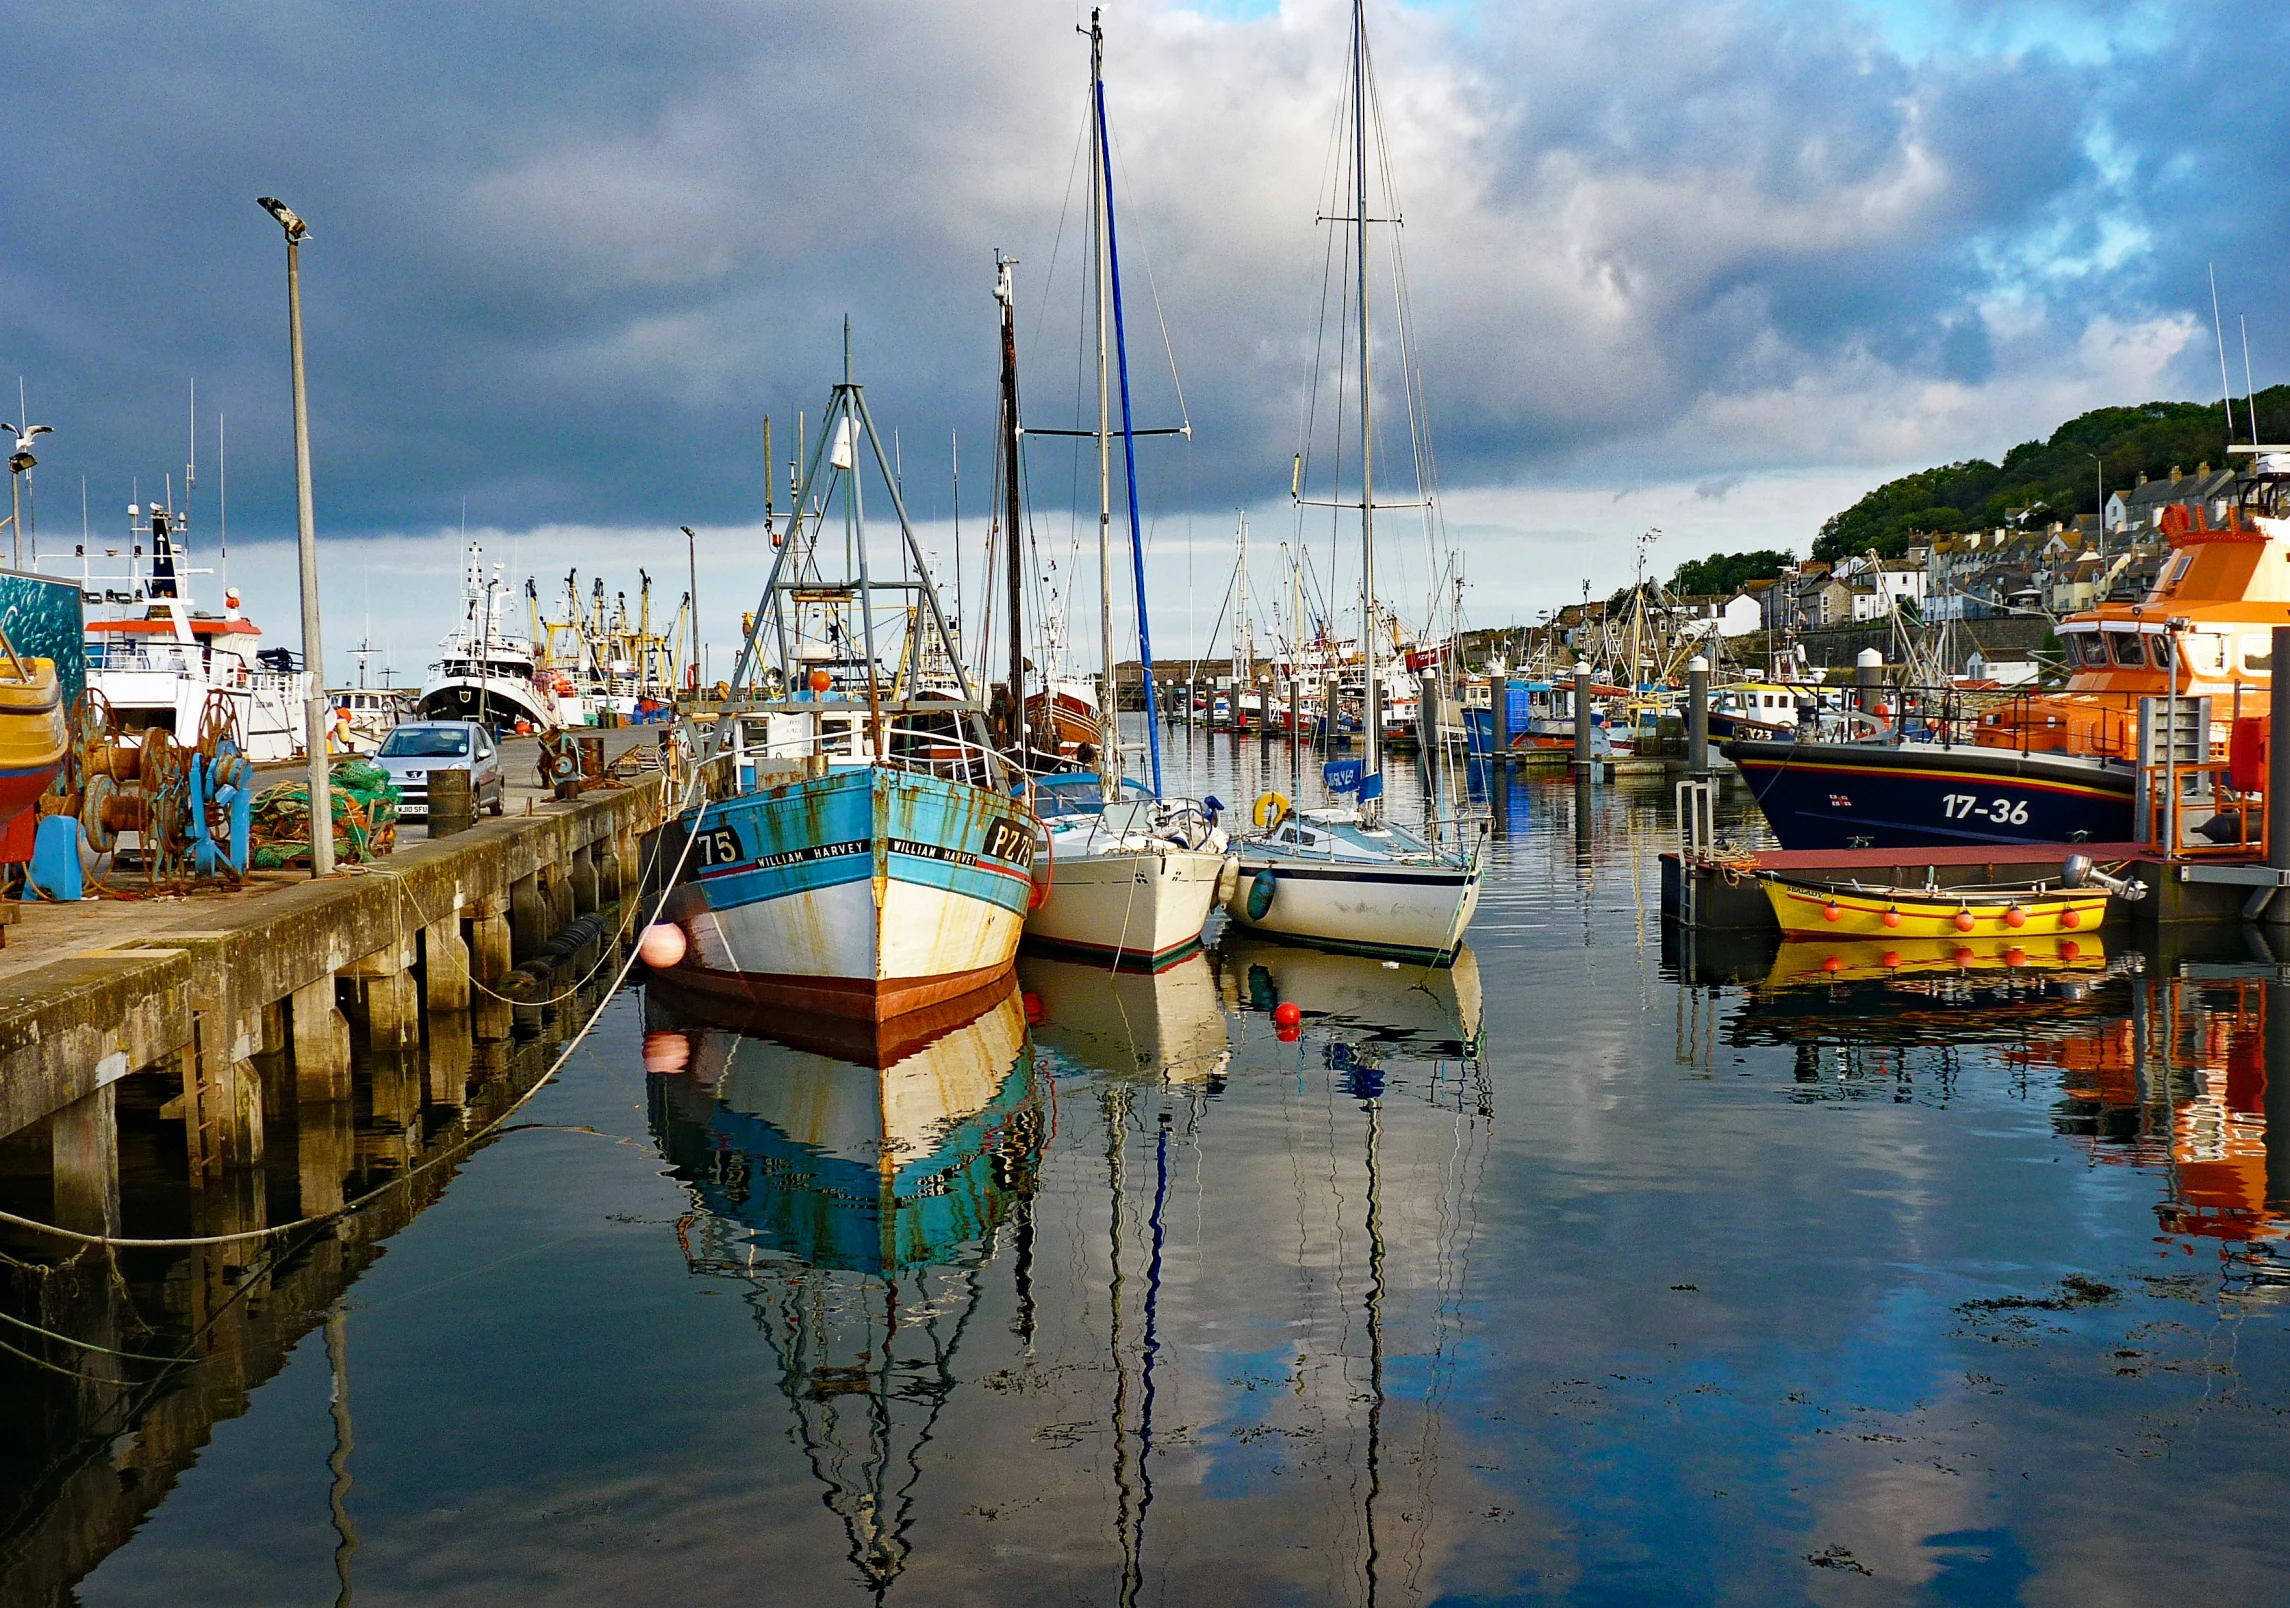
{"type": "Point", "coordinates": [1963, 956]}
{"type": "Point", "coordinates": [2015, 956]}
{"type": "Point", "coordinates": [1963, 921]}
{"type": "Point", "coordinates": [1031, 1003]}
{"type": "Point", "coordinates": [2071, 951]}
{"type": "Point", "coordinates": [1890, 957]}
{"type": "Point", "coordinates": [2015, 917]}
{"type": "Point", "coordinates": [2071, 918]}
{"type": "Point", "coordinates": [1892, 918]}
{"type": "Point", "coordinates": [1830, 963]}
{"type": "Point", "coordinates": [1289, 1034]}
{"type": "Point", "coordinates": [1287, 1014]}
{"type": "Point", "coordinates": [1833, 911]}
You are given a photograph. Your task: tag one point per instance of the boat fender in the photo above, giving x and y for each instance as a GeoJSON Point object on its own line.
{"type": "Point", "coordinates": [1964, 921]}
{"type": "Point", "coordinates": [1261, 889]}
{"type": "Point", "coordinates": [2015, 917]}
{"type": "Point", "coordinates": [663, 945]}
{"type": "Point", "coordinates": [1228, 880]}
{"type": "Point", "coordinates": [1269, 810]}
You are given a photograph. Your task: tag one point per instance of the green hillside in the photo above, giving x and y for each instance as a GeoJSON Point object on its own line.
{"type": "Point", "coordinates": [2057, 476]}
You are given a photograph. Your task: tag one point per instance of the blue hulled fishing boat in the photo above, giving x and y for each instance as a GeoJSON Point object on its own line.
{"type": "Point", "coordinates": [862, 853]}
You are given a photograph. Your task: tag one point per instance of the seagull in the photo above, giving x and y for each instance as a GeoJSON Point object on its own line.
{"type": "Point", "coordinates": [25, 435]}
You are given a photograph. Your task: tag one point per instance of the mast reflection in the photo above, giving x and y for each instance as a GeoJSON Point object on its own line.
{"type": "Point", "coordinates": [858, 1200]}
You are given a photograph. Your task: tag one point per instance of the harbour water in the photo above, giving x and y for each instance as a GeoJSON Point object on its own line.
{"type": "Point", "coordinates": [1595, 1271]}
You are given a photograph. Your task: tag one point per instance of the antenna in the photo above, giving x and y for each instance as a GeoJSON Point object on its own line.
{"type": "Point", "coordinates": [222, 503]}
{"type": "Point", "coordinates": [2225, 386]}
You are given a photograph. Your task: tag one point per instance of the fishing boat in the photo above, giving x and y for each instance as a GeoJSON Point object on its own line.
{"type": "Point", "coordinates": [844, 864]}
{"type": "Point", "coordinates": [157, 658]}
{"type": "Point", "coordinates": [33, 736]}
{"type": "Point", "coordinates": [1126, 880]}
{"type": "Point", "coordinates": [2060, 768]}
{"type": "Point", "coordinates": [1851, 910]}
{"type": "Point", "coordinates": [488, 673]}
{"type": "Point", "coordinates": [1348, 877]}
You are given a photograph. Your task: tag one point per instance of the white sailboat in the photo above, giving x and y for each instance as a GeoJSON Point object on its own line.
{"type": "Point", "coordinates": [1348, 877]}
{"type": "Point", "coordinates": [1126, 879]}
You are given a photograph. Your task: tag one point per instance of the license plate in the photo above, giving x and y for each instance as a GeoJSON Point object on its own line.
{"type": "Point", "coordinates": [405, 810]}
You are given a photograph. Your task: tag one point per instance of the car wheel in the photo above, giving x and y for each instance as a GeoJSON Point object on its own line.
{"type": "Point", "coordinates": [500, 793]}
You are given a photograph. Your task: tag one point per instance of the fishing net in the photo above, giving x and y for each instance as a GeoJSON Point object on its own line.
{"type": "Point", "coordinates": [365, 817]}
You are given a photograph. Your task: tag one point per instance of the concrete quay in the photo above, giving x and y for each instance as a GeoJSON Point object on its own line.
{"type": "Point", "coordinates": [242, 1002]}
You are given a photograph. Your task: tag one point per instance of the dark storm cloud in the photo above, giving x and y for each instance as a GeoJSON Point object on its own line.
{"type": "Point", "coordinates": [567, 256]}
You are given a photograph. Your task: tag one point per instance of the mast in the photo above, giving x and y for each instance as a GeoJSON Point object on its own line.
{"type": "Point", "coordinates": [1244, 637]}
{"type": "Point", "coordinates": [1374, 698]}
{"type": "Point", "coordinates": [1108, 715]}
{"type": "Point", "coordinates": [1128, 441]}
{"type": "Point", "coordinates": [1006, 294]}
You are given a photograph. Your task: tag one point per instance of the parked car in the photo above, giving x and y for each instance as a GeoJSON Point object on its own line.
{"type": "Point", "coordinates": [411, 751]}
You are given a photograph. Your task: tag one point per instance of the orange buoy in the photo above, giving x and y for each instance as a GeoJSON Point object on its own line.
{"type": "Point", "coordinates": [1963, 956]}
{"type": "Point", "coordinates": [1032, 1004]}
{"type": "Point", "coordinates": [821, 681]}
{"type": "Point", "coordinates": [2015, 956]}
{"type": "Point", "coordinates": [2071, 918]}
{"type": "Point", "coordinates": [1892, 918]}
{"type": "Point", "coordinates": [2015, 917]}
{"type": "Point", "coordinates": [2071, 950]}
{"type": "Point", "coordinates": [1830, 963]}
{"type": "Point", "coordinates": [1288, 1035]}
{"type": "Point", "coordinates": [1833, 911]}
{"type": "Point", "coordinates": [1288, 1013]}
{"type": "Point", "coordinates": [1964, 921]}
{"type": "Point", "coordinates": [1890, 957]}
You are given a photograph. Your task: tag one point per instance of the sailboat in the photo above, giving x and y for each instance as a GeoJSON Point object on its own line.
{"type": "Point", "coordinates": [1127, 877]}
{"type": "Point", "coordinates": [1349, 877]}
{"type": "Point", "coordinates": [863, 852]}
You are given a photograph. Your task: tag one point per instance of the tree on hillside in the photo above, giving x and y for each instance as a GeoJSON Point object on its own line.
{"type": "Point", "coordinates": [2054, 479]}
{"type": "Point", "coordinates": [1724, 574]}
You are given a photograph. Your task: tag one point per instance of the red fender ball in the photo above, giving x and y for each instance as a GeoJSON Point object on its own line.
{"type": "Point", "coordinates": [1287, 1014]}
{"type": "Point", "coordinates": [2071, 918]}
{"type": "Point", "coordinates": [1830, 963]}
{"type": "Point", "coordinates": [1033, 1008]}
{"type": "Point", "coordinates": [1289, 1034]}
{"type": "Point", "coordinates": [1963, 921]}
{"type": "Point", "coordinates": [1892, 918]}
{"type": "Point", "coordinates": [1890, 957]}
{"type": "Point", "coordinates": [2015, 917]}
{"type": "Point", "coordinates": [1832, 911]}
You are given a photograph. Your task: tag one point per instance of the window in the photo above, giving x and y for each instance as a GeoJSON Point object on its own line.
{"type": "Point", "coordinates": [2206, 652]}
{"type": "Point", "coordinates": [2128, 652]}
{"type": "Point", "coordinates": [2178, 570]}
{"type": "Point", "coordinates": [2159, 652]}
{"type": "Point", "coordinates": [425, 742]}
{"type": "Point", "coordinates": [2258, 652]}
{"type": "Point", "coordinates": [2091, 648]}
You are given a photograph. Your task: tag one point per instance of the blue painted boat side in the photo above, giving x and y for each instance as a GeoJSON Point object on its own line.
{"type": "Point", "coordinates": [1910, 804]}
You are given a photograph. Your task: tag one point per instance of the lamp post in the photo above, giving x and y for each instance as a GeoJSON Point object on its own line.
{"type": "Point", "coordinates": [2099, 480]}
{"type": "Point", "coordinates": [20, 464]}
{"type": "Point", "coordinates": [313, 654]}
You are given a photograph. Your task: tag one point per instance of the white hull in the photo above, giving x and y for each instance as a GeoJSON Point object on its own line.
{"type": "Point", "coordinates": [1439, 1014]}
{"type": "Point", "coordinates": [269, 707]}
{"type": "Point", "coordinates": [1126, 905]}
{"type": "Point", "coordinates": [1404, 911]}
{"type": "Point", "coordinates": [496, 700]}
{"type": "Point", "coordinates": [837, 935]}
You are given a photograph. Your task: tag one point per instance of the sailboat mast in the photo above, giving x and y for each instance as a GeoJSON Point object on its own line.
{"type": "Point", "coordinates": [1374, 699]}
{"type": "Point", "coordinates": [1005, 293]}
{"type": "Point", "coordinates": [1109, 716]}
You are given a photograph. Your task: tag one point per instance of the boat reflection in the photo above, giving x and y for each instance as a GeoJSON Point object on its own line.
{"type": "Point", "coordinates": [2169, 1073]}
{"type": "Point", "coordinates": [859, 1203]}
{"type": "Point", "coordinates": [1433, 1012]}
{"type": "Point", "coordinates": [1168, 1026]}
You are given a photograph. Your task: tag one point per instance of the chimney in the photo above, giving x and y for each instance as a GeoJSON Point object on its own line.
{"type": "Point", "coordinates": [2202, 470]}
{"type": "Point", "coordinates": [2176, 477]}
{"type": "Point", "coordinates": [2142, 477]}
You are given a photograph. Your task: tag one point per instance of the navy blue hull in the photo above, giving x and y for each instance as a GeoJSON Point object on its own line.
{"type": "Point", "coordinates": [1846, 796]}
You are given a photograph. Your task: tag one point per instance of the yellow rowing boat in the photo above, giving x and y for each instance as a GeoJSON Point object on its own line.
{"type": "Point", "coordinates": [1853, 960]}
{"type": "Point", "coordinates": [2035, 910]}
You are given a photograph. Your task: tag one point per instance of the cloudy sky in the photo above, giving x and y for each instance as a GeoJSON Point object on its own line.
{"type": "Point", "coordinates": [1712, 267]}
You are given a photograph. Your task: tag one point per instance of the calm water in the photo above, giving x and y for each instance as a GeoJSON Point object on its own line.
{"type": "Point", "coordinates": [1589, 1272]}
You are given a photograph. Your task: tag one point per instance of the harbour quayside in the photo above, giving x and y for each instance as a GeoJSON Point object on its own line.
{"type": "Point", "coordinates": [864, 851]}
{"type": "Point", "coordinates": [2063, 768]}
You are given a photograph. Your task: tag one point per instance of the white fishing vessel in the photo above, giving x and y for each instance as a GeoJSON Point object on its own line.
{"type": "Point", "coordinates": [157, 658]}
{"type": "Point", "coordinates": [488, 673]}
{"type": "Point", "coordinates": [1126, 879]}
{"type": "Point", "coordinates": [1348, 877]}
{"type": "Point", "coordinates": [863, 852]}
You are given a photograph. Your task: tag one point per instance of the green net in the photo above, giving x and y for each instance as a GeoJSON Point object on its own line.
{"type": "Point", "coordinates": [365, 817]}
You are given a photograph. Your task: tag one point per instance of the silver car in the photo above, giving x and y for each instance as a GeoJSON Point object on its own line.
{"type": "Point", "coordinates": [411, 751]}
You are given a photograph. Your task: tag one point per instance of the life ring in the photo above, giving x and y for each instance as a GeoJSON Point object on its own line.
{"type": "Point", "coordinates": [1269, 810]}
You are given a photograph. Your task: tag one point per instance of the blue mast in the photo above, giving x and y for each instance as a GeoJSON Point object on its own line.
{"type": "Point", "coordinates": [1129, 456]}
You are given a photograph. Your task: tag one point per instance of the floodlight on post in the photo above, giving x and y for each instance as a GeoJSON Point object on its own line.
{"type": "Point", "coordinates": [313, 652]}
